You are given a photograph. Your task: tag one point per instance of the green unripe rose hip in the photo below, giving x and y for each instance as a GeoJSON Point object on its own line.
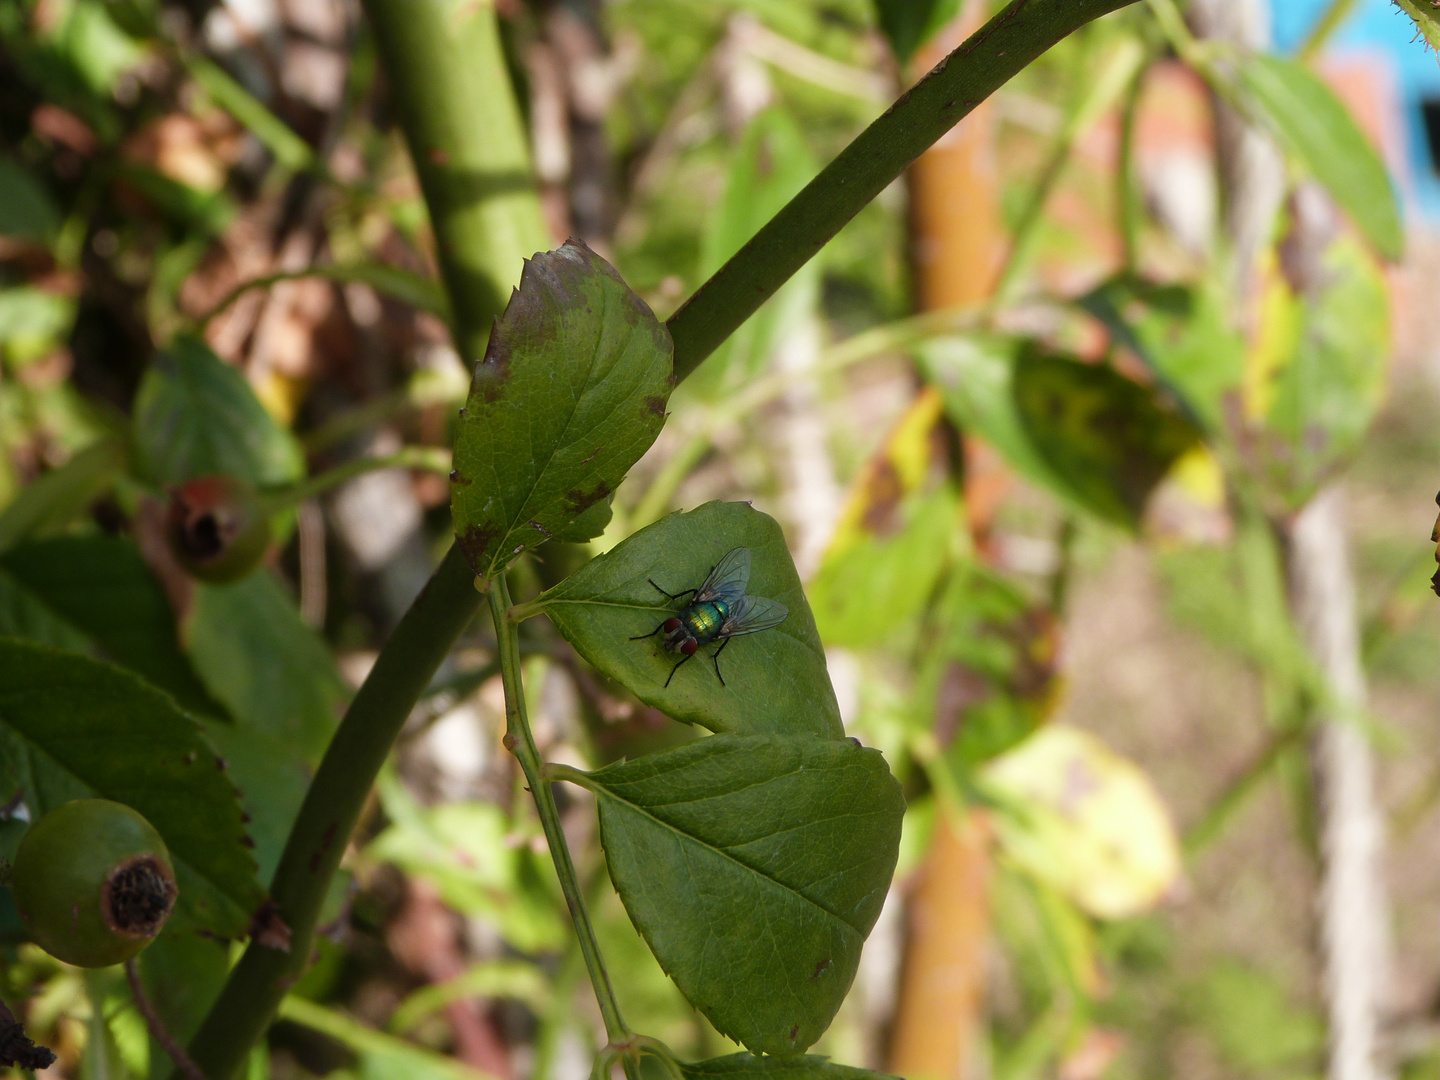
{"type": "Point", "coordinates": [217, 527]}
{"type": "Point", "coordinates": [93, 882]}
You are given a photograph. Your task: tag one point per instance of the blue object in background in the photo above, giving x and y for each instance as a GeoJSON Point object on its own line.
{"type": "Point", "coordinates": [1378, 27]}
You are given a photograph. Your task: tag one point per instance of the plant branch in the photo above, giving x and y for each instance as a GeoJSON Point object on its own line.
{"type": "Point", "coordinates": [877, 157]}
{"type": "Point", "coordinates": [451, 88]}
{"type": "Point", "coordinates": [429, 458]}
{"type": "Point", "coordinates": [331, 809]}
{"type": "Point", "coordinates": [520, 742]}
{"type": "Point", "coordinates": [156, 1026]}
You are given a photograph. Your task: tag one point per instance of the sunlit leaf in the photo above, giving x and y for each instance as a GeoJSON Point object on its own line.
{"type": "Point", "coordinates": [466, 850]}
{"type": "Point", "coordinates": [1182, 335]}
{"type": "Point", "coordinates": [1317, 374]}
{"type": "Point", "coordinates": [1312, 122]}
{"type": "Point", "coordinates": [754, 866]}
{"type": "Point", "coordinates": [1085, 820]}
{"type": "Point", "coordinates": [775, 680]}
{"type": "Point", "coordinates": [571, 392]}
{"type": "Point", "coordinates": [899, 528]}
{"type": "Point", "coordinates": [72, 727]}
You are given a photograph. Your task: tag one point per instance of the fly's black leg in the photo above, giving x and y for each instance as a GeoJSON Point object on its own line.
{"type": "Point", "coordinates": [676, 668]}
{"type": "Point", "coordinates": [671, 595]}
{"type": "Point", "coordinates": [715, 659]}
{"type": "Point", "coordinates": [651, 634]}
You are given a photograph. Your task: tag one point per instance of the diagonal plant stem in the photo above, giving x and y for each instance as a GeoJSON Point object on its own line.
{"type": "Point", "coordinates": [520, 742]}
{"type": "Point", "coordinates": [877, 157]}
{"type": "Point", "coordinates": [331, 809]}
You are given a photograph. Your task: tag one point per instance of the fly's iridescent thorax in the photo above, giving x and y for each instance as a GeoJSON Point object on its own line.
{"type": "Point", "coordinates": [704, 619]}
{"type": "Point", "coordinates": [699, 623]}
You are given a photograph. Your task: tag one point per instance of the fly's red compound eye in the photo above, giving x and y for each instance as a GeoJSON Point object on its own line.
{"type": "Point", "coordinates": [690, 646]}
{"type": "Point", "coordinates": [670, 625]}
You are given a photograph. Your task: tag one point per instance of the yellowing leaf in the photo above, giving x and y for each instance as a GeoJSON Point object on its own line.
{"type": "Point", "coordinates": [1085, 820]}
{"type": "Point", "coordinates": [1277, 336]}
{"type": "Point", "coordinates": [899, 469]}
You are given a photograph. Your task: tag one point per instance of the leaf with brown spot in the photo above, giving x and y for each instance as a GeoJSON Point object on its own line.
{"type": "Point", "coordinates": [572, 390]}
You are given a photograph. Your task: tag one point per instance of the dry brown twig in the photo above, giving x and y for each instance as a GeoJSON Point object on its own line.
{"type": "Point", "coordinates": [158, 1031]}
{"type": "Point", "coordinates": [16, 1048]}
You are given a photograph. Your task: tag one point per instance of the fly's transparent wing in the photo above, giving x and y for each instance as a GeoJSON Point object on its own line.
{"type": "Point", "coordinates": [753, 614]}
{"type": "Point", "coordinates": [727, 581]}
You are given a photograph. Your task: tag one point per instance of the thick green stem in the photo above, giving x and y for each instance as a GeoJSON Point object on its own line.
{"type": "Point", "coordinates": [521, 743]}
{"type": "Point", "coordinates": [449, 81]}
{"type": "Point", "coordinates": [974, 71]}
{"type": "Point", "coordinates": [331, 809]}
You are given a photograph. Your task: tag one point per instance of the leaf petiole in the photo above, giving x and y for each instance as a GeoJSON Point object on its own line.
{"type": "Point", "coordinates": [520, 742]}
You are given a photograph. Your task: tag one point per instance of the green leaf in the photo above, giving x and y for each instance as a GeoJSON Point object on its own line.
{"type": "Point", "coordinates": [205, 212]}
{"type": "Point", "coordinates": [33, 322]}
{"type": "Point", "coordinates": [100, 586]}
{"type": "Point", "coordinates": [1249, 1015]}
{"type": "Point", "coordinates": [24, 615]}
{"type": "Point", "coordinates": [1311, 121]}
{"type": "Point", "coordinates": [1326, 391]}
{"type": "Point", "coordinates": [754, 866]}
{"type": "Point", "coordinates": [26, 210]}
{"type": "Point", "coordinates": [975, 375]}
{"type": "Point", "coordinates": [571, 392]}
{"type": "Point", "coordinates": [62, 494]}
{"type": "Point", "coordinates": [1181, 334]}
{"type": "Point", "coordinates": [271, 777]}
{"type": "Point", "coordinates": [1107, 438]}
{"type": "Point", "coordinates": [72, 727]}
{"type": "Point", "coordinates": [908, 24]}
{"type": "Point", "coordinates": [864, 595]}
{"type": "Point", "coordinates": [750, 1067]}
{"type": "Point", "coordinates": [195, 414]}
{"type": "Point", "coordinates": [266, 667]}
{"type": "Point", "coordinates": [775, 680]}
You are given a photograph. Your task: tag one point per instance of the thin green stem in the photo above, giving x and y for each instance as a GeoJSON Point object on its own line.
{"type": "Point", "coordinates": [1105, 89]}
{"type": "Point", "coordinates": [521, 743]}
{"type": "Point", "coordinates": [1127, 196]}
{"type": "Point", "coordinates": [329, 814]}
{"type": "Point", "coordinates": [413, 289]}
{"type": "Point", "coordinates": [430, 458]}
{"type": "Point", "coordinates": [877, 157]}
{"type": "Point", "coordinates": [1325, 26]}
